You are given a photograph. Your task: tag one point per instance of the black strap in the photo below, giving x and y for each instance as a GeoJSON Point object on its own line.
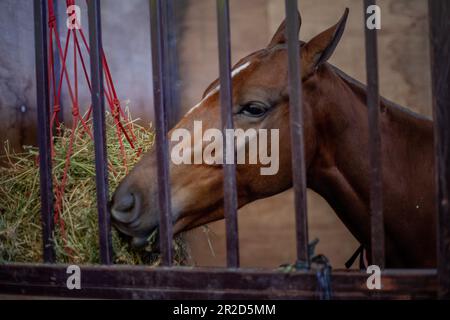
{"type": "Point", "coordinates": [322, 267]}
{"type": "Point", "coordinates": [323, 273]}
{"type": "Point", "coordinates": [359, 252]}
{"type": "Point", "coordinates": [362, 265]}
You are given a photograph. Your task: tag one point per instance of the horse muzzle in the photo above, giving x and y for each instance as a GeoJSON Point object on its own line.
{"type": "Point", "coordinates": [126, 216]}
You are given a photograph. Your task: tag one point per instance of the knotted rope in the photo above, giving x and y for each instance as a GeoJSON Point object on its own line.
{"type": "Point", "coordinates": [55, 84]}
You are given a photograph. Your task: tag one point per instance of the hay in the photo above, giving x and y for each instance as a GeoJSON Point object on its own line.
{"type": "Point", "coordinates": [20, 225]}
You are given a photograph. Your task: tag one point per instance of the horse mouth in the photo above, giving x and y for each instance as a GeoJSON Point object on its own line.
{"type": "Point", "coordinates": [148, 240]}
{"type": "Point", "coordinates": [148, 243]}
{"type": "Point", "coordinates": [139, 242]}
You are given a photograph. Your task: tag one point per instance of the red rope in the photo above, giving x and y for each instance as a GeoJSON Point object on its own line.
{"type": "Point", "coordinates": [112, 96]}
{"type": "Point", "coordinates": [73, 90]}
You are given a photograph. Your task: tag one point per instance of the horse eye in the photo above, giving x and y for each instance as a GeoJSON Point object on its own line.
{"type": "Point", "coordinates": [254, 109]}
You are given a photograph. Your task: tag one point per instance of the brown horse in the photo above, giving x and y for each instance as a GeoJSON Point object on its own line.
{"type": "Point", "coordinates": [336, 149]}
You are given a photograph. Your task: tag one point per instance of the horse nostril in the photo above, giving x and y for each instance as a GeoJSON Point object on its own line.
{"type": "Point", "coordinates": [125, 203]}
{"type": "Point", "coordinates": [122, 209]}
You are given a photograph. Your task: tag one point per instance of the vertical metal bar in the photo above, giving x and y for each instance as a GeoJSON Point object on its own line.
{"type": "Point", "coordinates": [98, 103]}
{"type": "Point", "coordinates": [57, 59]}
{"type": "Point", "coordinates": [297, 139]}
{"type": "Point", "coordinates": [373, 105]}
{"type": "Point", "coordinates": [43, 118]}
{"type": "Point", "coordinates": [171, 75]}
{"type": "Point", "coordinates": [439, 13]}
{"type": "Point", "coordinates": [229, 169]}
{"type": "Point", "coordinates": [158, 42]}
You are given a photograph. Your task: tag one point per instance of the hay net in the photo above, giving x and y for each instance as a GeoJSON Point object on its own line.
{"type": "Point", "coordinates": [75, 213]}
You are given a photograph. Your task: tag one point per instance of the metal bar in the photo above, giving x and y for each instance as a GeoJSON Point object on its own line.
{"type": "Point", "coordinates": [186, 283]}
{"type": "Point", "coordinates": [439, 13]}
{"type": "Point", "coordinates": [57, 59]}
{"type": "Point", "coordinates": [98, 103]}
{"type": "Point", "coordinates": [158, 42]}
{"type": "Point", "coordinates": [297, 139]}
{"type": "Point", "coordinates": [373, 105]}
{"type": "Point", "coordinates": [43, 118]}
{"type": "Point", "coordinates": [171, 76]}
{"type": "Point", "coordinates": [229, 169]}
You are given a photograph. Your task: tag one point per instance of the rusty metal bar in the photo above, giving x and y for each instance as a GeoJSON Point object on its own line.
{"type": "Point", "coordinates": [439, 13]}
{"type": "Point", "coordinates": [172, 82]}
{"type": "Point", "coordinates": [98, 103]}
{"type": "Point", "coordinates": [297, 139]}
{"type": "Point", "coordinates": [159, 61]}
{"type": "Point", "coordinates": [226, 104]}
{"type": "Point", "coordinates": [132, 282]}
{"type": "Point", "coordinates": [56, 58]}
{"type": "Point", "coordinates": [43, 118]}
{"type": "Point", "coordinates": [373, 105]}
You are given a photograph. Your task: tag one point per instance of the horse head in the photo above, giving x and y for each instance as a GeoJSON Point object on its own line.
{"type": "Point", "coordinates": [260, 98]}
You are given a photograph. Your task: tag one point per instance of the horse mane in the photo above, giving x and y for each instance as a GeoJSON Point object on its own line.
{"type": "Point", "coordinates": [360, 90]}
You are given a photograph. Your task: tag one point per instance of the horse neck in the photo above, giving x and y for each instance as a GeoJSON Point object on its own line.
{"type": "Point", "coordinates": [339, 171]}
{"type": "Point", "coordinates": [340, 168]}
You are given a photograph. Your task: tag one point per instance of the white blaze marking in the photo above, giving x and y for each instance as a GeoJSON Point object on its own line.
{"type": "Point", "coordinates": [233, 74]}
{"type": "Point", "coordinates": [240, 68]}
{"type": "Point", "coordinates": [195, 107]}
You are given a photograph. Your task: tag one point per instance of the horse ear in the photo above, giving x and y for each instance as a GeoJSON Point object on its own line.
{"type": "Point", "coordinates": [280, 35]}
{"type": "Point", "coordinates": [320, 48]}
